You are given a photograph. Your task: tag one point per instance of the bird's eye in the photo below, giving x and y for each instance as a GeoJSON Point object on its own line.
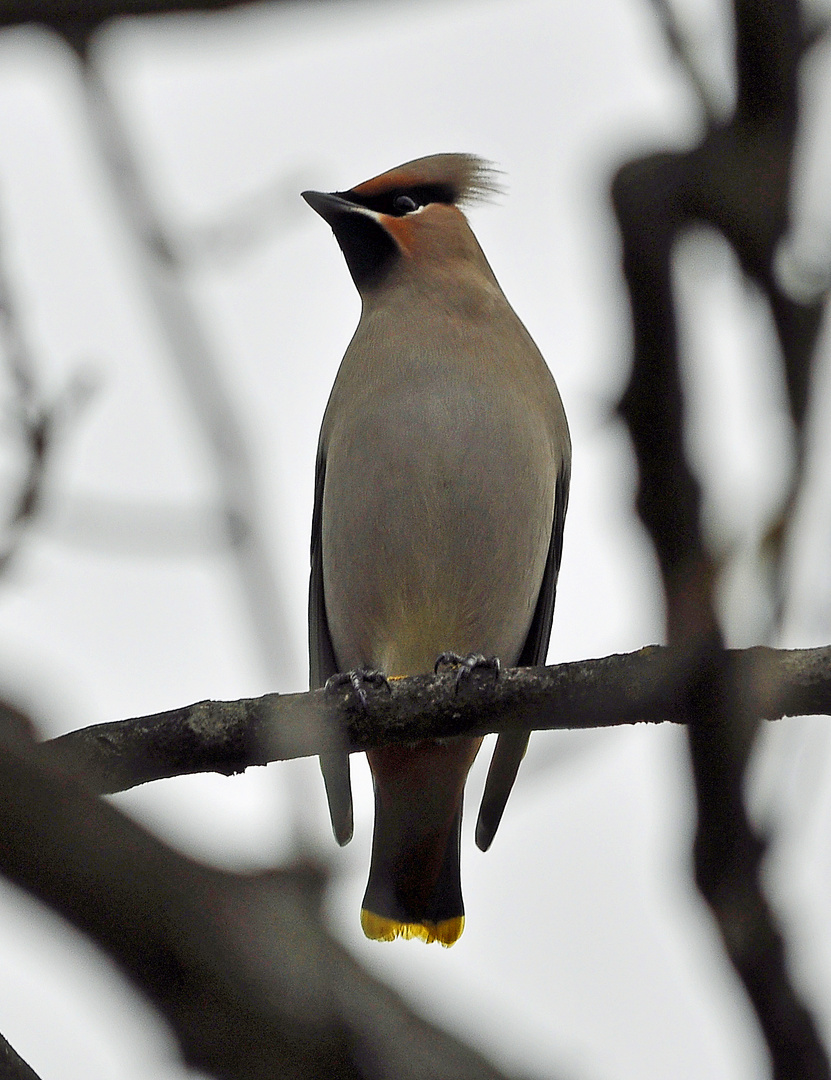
{"type": "Point", "coordinates": [404, 204]}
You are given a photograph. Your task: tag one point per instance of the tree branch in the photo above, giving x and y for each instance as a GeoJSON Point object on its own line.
{"type": "Point", "coordinates": [77, 20]}
{"type": "Point", "coordinates": [738, 181]}
{"type": "Point", "coordinates": [12, 1065]}
{"type": "Point", "coordinates": [241, 966]}
{"type": "Point", "coordinates": [648, 686]}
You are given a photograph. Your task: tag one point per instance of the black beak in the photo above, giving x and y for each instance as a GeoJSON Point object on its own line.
{"type": "Point", "coordinates": [328, 205]}
{"type": "Point", "coordinates": [368, 248]}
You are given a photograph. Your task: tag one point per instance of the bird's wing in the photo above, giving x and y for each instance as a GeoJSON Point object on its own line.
{"type": "Point", "coordinates": [322, 664]}
{"type": "Point", "coordinates": [510, 748]}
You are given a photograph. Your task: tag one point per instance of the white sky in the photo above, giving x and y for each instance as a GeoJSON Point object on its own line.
{"type": "Point", "coordinates": [584, 954]}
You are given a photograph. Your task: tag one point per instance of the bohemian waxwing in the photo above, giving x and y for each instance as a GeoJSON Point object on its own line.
{"type": "Point", "coordinates": [440, 495]}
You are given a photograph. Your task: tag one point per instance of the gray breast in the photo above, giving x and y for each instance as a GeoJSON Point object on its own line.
{"type": "Point", "coordinates": [437, 514]}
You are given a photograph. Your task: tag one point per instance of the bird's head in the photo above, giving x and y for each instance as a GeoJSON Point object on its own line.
{"type": "Point", "coordinates": [408, 219]}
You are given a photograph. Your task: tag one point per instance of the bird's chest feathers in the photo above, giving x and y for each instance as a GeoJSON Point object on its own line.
{"type": "Point", "coordinates": [439, 437]}
{"type": "Point", "coordinates": [437, 509]}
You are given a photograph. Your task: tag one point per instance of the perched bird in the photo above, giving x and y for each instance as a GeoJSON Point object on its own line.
{"type": "Point", "coordinates": [440, 495]}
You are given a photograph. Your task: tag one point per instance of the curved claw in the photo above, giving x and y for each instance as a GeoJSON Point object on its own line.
{"type": "Point", "coordinates": [358, 679]}
{"type": "Point", "coordinates": [465, 665]}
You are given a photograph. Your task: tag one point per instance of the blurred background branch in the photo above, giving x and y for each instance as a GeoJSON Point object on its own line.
{"type": "Point", "coordinates": [12, 1065]}
{"type": "Point", "coordinates": [240, 966]}
{"type": "Point", "coordinates": [36, 424]}
{"type": "Point", "coordinates": [76, 20]}
{"type": "Point", "coordinates": [193, 355]}
{"type": "Point", "coordinates": [737, 179]}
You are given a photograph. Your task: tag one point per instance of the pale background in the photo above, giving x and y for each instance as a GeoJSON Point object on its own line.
{"type": "Point", "coordinates": [585, 954]}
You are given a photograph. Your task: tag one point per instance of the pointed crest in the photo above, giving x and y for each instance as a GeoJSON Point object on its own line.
{"type": "Point", "coordinates": [464, 178]}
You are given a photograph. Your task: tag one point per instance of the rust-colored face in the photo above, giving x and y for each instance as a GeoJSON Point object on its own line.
{"type": "Point", "coordinates": [410, 211]}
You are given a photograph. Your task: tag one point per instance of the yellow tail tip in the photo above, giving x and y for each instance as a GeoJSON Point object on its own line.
{"type": "Point", "coordinates": [380, 928]}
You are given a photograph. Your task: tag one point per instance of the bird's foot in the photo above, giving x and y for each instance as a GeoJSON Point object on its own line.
{"type": "Point", "coordinates": [464, 666]}
{"type": "Point", "coordinates": [359, 680]}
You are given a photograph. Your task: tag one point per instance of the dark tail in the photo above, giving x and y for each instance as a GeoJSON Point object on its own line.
{"type": "Point", "coordinates": [415, 887]}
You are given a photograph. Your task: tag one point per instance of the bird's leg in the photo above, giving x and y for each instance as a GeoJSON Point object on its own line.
{"type": "Point", "coordinates": [464, 666]}
{"type": "Point", "coordinates": [358, 679]}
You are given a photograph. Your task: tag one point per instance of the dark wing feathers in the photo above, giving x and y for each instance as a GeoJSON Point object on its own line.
{"type": "Point", "coordinates": [322, 664]}
{"type": "Point", "coordinates": [510, 748]}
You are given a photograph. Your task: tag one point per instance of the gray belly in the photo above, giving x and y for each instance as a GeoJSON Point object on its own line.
{"type": "Point", "coordinates": [435, 530]}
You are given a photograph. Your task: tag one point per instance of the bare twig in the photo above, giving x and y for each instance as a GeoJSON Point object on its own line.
{"type": "Point", "coordinates": [37, 422]}
{"type": "Point", "coordinates": [649, 686]}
